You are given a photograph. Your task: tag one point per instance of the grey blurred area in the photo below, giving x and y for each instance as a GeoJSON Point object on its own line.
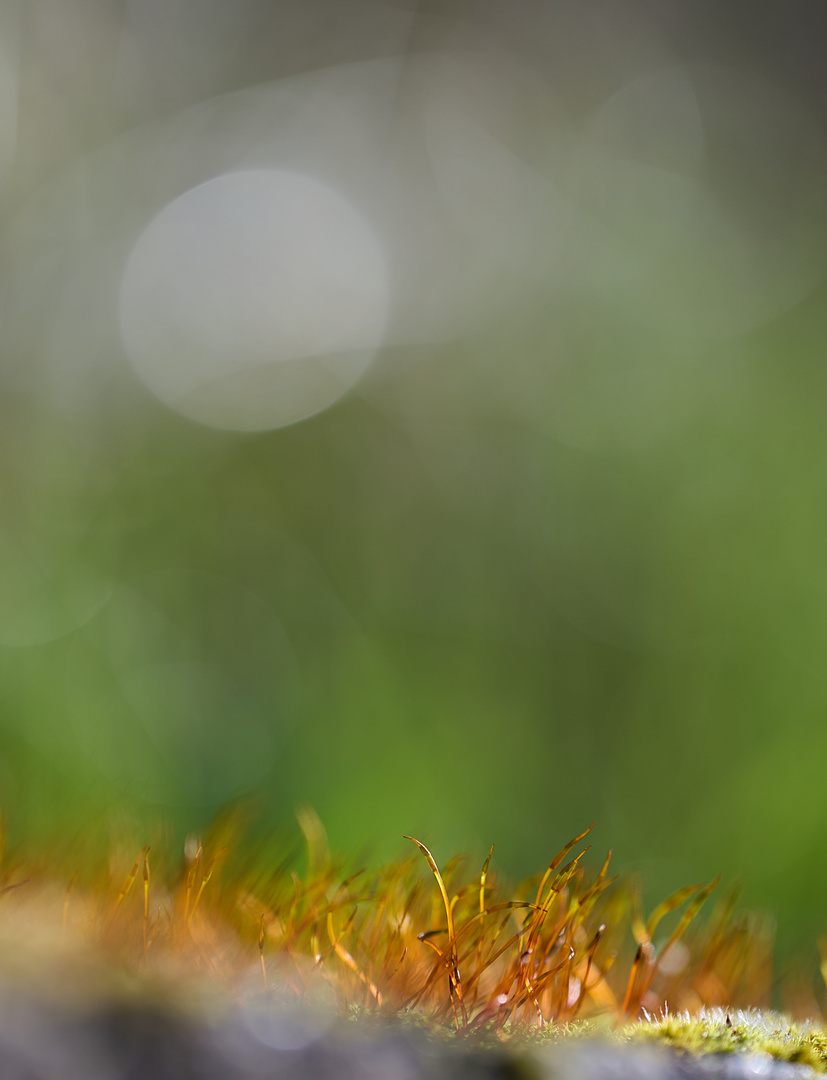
{"type": "Point", "coordinates": [416, 410]}
{"type": "Point", "coordinates": [121, 1040]}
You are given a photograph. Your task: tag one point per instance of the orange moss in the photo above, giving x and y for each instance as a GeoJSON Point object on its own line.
{"type": "Point", "coordinates": [462, 951]}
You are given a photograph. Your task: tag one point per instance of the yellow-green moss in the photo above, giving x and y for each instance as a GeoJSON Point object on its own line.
{"type": "Point", "coordinates": [740, 1031]}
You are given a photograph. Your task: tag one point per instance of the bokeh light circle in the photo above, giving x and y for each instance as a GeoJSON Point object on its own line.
{"type": "Point", "coordinates": [254, 300]}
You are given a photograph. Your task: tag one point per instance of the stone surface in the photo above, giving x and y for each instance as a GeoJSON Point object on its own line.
{"type": "Point", "coordinates": [139, 1041]}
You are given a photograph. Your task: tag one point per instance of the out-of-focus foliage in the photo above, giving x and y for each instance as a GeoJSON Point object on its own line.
{"type": "Point", "coordinates": [456, 949]}
{"type": "Point", "coordinates": [417, 409]}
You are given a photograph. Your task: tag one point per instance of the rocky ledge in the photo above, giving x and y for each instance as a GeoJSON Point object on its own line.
{"type": "Point", "coordinates": [129, 1040]}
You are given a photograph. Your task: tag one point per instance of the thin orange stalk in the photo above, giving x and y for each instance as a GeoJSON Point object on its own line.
{"type": "Point", "coordinates": [453, 974]}
{"type": "Point", "coordinates": [127, 885]}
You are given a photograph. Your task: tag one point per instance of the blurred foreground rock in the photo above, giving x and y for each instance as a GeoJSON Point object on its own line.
{"type": "Point", "coordinates": [43, 1040]}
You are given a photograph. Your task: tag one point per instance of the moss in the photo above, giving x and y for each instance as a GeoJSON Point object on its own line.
{"type": "Point", "coordinates": [567, 955]}
{"type": "Point", "coordinates": [747, 1031]}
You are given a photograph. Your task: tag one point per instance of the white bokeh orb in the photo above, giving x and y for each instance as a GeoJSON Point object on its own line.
{"type": "Point", "coordinates": [254, 300]}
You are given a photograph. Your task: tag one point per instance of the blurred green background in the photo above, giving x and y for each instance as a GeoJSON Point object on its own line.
{"type": "Point", "coordinates": [416, 410]}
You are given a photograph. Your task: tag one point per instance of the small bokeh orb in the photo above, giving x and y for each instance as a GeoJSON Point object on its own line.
{"type": "Point", "coordinates": [254, 300]}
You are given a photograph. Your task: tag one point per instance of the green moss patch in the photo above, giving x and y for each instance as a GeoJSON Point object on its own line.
{"type": "Point", "coordinates": [747, 1031]}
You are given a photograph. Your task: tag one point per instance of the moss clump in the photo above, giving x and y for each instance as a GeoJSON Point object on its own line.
{"type": "Point", "coordinates": [742, 1031]}
{"type": "Point", "coordinates": [413, 939]}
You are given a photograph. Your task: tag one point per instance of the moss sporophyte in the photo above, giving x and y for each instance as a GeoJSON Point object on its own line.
{"type": "Point", "coordinates": [569, 951]}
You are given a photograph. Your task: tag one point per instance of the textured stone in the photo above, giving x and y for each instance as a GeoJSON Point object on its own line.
{"type": "Point", "coordinates": [40, 1040]}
